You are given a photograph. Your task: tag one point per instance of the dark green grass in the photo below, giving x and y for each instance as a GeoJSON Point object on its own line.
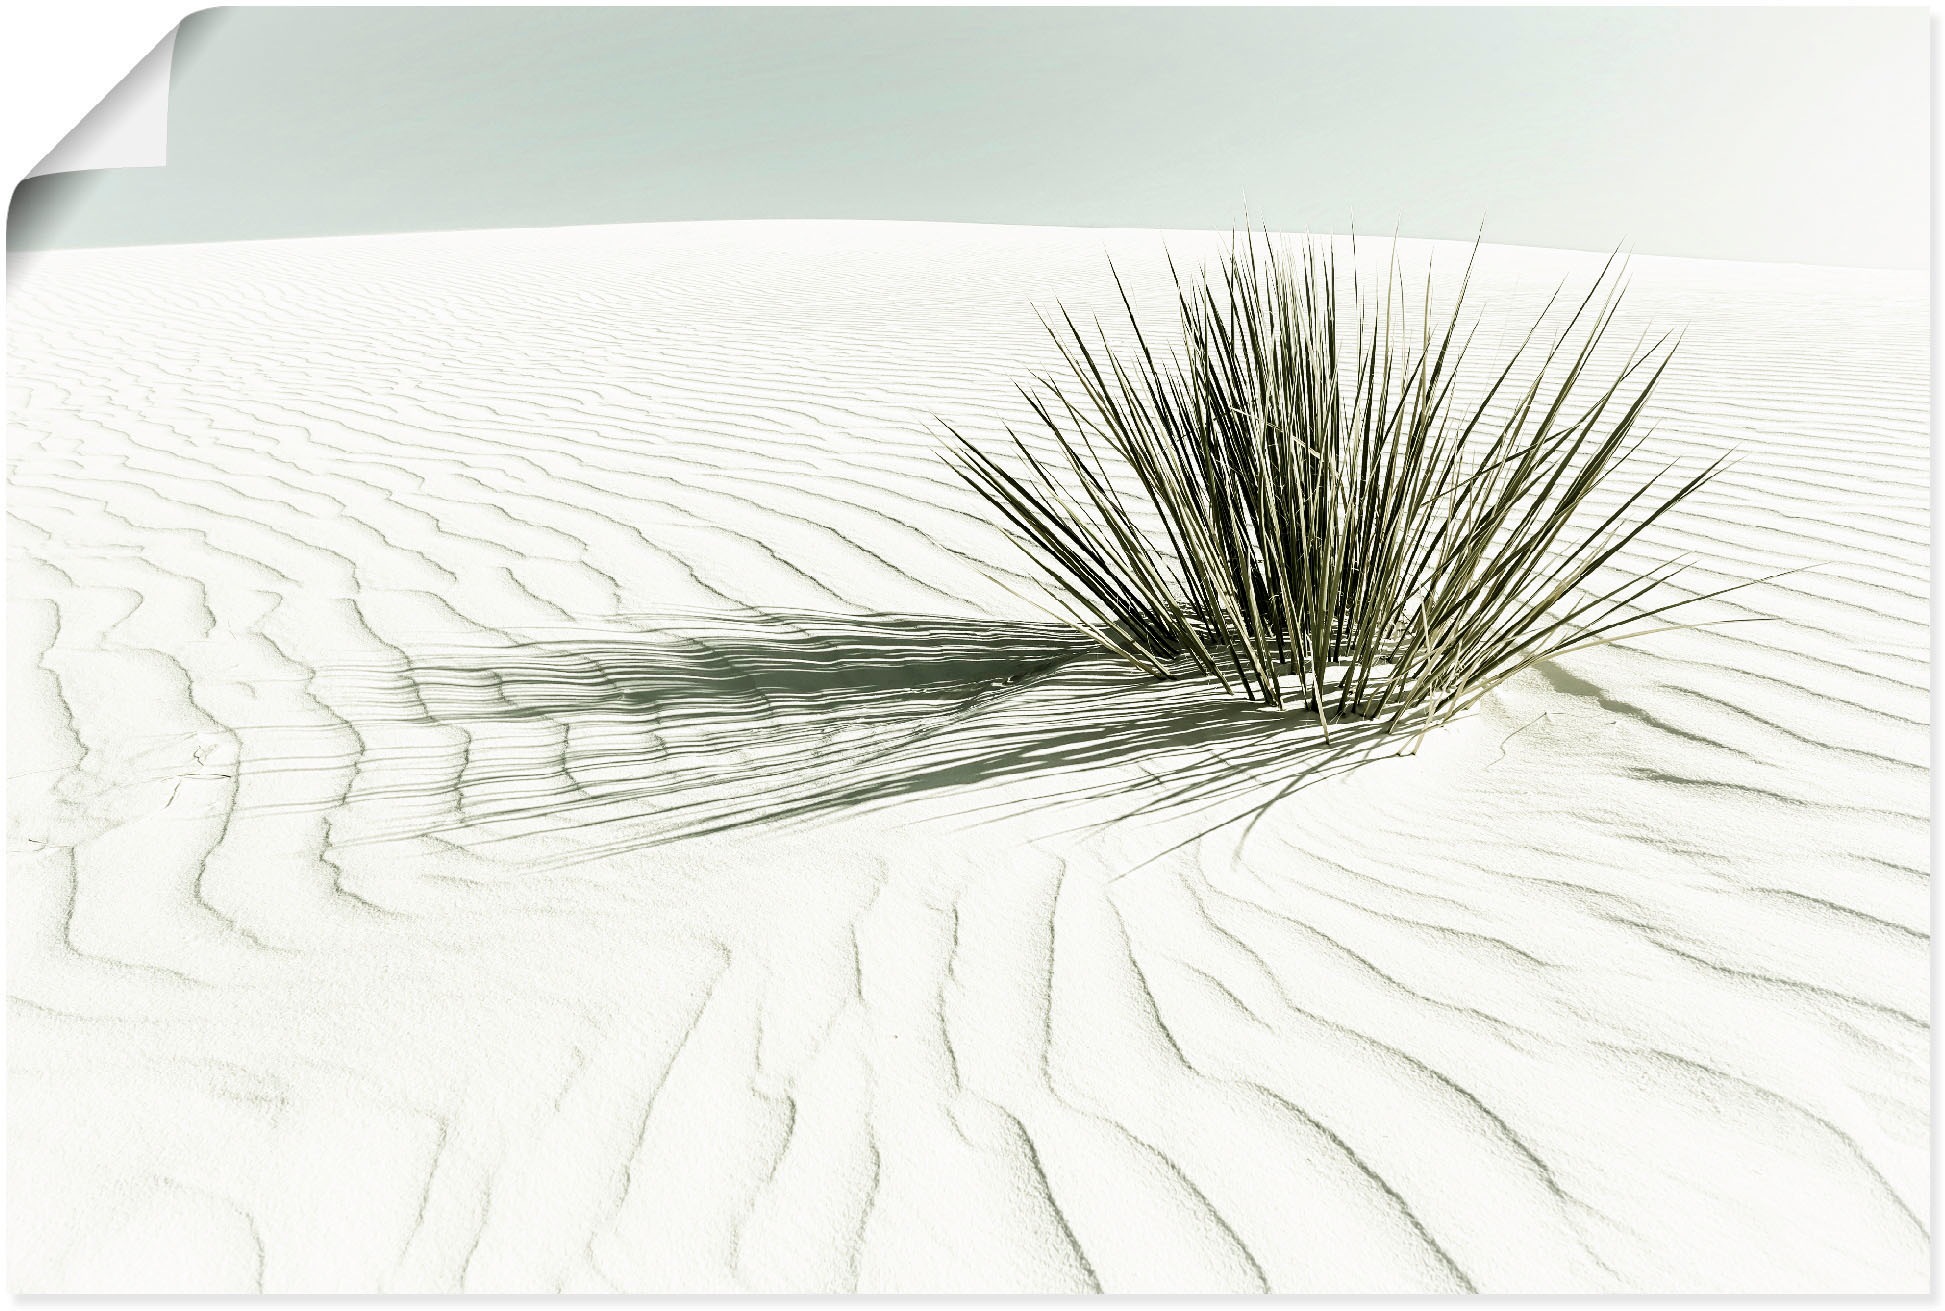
{"type": "Point", "coordinates": [1293, 499]}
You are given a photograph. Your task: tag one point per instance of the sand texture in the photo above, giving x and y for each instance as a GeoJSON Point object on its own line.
{"type": "Point", "coordinates": [526, 772]}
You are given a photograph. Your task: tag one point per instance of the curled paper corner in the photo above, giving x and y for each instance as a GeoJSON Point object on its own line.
{"type": "Point", "coordinates": [94, 169]}
{"type": "Point", "coordinates": [129, 128]}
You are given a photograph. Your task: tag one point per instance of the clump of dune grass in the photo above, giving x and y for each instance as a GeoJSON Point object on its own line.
{"type": "Point", "coordinates": [1321, 519]}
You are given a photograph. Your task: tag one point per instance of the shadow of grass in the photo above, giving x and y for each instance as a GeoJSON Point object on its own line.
{"type": "Point", "coordinates": [702, 725]}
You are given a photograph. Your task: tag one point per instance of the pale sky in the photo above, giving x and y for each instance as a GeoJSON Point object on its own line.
{"type": "Point", "coordinates": [1796, 135]}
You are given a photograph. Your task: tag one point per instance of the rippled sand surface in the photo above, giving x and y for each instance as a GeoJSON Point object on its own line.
{"type": "Point", "coordinates": [526, 772]}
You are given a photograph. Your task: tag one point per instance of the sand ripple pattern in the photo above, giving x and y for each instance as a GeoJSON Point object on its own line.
{"type": "Point", "coordinates": [526, 773]}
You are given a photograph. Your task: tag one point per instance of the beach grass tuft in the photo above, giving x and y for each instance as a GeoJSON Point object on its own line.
{"type": "Point", "coordinates": [1301, 500]}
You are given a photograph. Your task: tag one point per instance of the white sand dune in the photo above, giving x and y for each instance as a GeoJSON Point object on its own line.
{"type": "Point", "coordinates": [527, 773]}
